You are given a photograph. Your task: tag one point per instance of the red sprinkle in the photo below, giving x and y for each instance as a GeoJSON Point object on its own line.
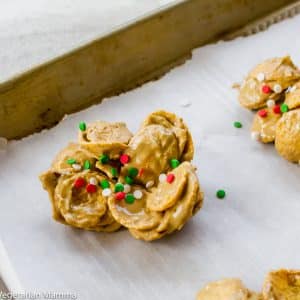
{"type": "Point", "coordinates": [124, 159]}
{"type": "Point", "coordinates": [91, 188]}
{"type": "Point", "coordinates": [276, 109]}
{"type": "Point", "coordinates": [141, 172]}
{"type": "Point", "coordinates": [266, 89]}
{"type": "Point", "coordinates": [170, 178]}
{"type": "Point", "coordinates": [79, 183]}
{"type": "Point", "coordinates": [262, 113]}
{"type": "Point", "coordinates": [120, 195]}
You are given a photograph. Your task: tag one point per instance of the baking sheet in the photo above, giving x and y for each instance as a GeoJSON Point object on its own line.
{"type": "Point", "coordinates": [255, 229]}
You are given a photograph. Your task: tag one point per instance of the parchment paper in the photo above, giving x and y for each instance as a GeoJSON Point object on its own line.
{"type": "Point", "coordinates": [255, 229]}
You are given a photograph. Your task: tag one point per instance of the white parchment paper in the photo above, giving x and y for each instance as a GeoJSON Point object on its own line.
{"type": "Point", "coordinates": [255, 229]}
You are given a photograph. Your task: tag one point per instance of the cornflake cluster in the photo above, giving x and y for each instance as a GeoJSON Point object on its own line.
{"type": "Point", "coordinates": [111, 178]}
{"type": "Point", "coordinates": [273, 89]}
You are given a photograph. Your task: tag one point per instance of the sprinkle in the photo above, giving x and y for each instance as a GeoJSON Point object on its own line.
{"type": "Point", "coordinates": [162, 177]}
{"type": "Point", "coordinates": [138, 194]}
{"type": "Point", "coordinates": [114, 172]}
{"type": "Point", "coordinates": [174, 163]}
{"type": "Point", "coordinates": [119, 187]}
{"type": "Point", "coordinates": [260, 77]}
{"type": "Point", "coordinates": [284, 108]}
{"type": "Point", "coordinates": [76, 167]}
{"type": "Point", "coordinates": [93, 181]}
{"type": "Point", "coordinates": [124, 159]}
{"type": "Point", "coordinates": [293, 89]}
{"type": "Point", "coordinates": [106, 192]}
{"type": "Point", "coordinates": [91, 188]}
{"type": "Point", "coordinates": [104, 184]}
{"type": "Point", "coordinates": [128, 180]}
{"type": "Point", "coordinates": [266, 89]}
{"type": "Point", "coordinates": [127, 188]}
{"type": "Point", "coordinates": [262, 113]}
{"type": "Point", "coordinates": [237, 124]}
{"type": "Point", "coordinates": [104, 159]}
{"type": "Point", "coordinates": [87, 165]}
{"type": "Point", "coordinates": [3, 143]}
{"type": "Point", "coordinates": [170, 178]}
{"type": "Point", "coordinates": [132, 172]}
{"type": "Point", "coordinates": [277, 88]}
{"type": "Point", "coordinates": [71, 161]}
{"type": "Point", "coordinates": [79, 183]}
{"type": "Point", "coordinates": [255, 136]}
{"type": "Point", "coordinates": [270, 103]}
{"type": "Point", "coordinates": [120, 195]}
{"type": "Point", "coordinates": [82, 126]}
{"type": "Point", "coordinates": [220, 194]}
{"type": "Point", "coordinates": [276, 109]}
{"type": "Point", "coordinates": [129, 198]}
{"type": "Point", "coordinates": [149, 184]}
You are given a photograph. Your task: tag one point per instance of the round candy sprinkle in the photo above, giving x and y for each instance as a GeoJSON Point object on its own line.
{"type": "Point", "coordinates": [106, 192]}
{"type": "Point", "coordinates": [132, 172]}
{"type": "Point", "coordinates": [93, 181]}
{"type": "Point", "coordinates": [104, 184]}
{"type": "Point", "coordinates": [220, 194]}
{"type": "Point", "coordinates": [114, 172]}
{"type": "Point", "coordinates": [255, 136]}
{"type": "Point", "coordinates": [91, 188]}
{"type": "Point", "coordinates": [76, 167]}
{"type": "Point", "coordinates": [138, 194]}
{"type": "Point", "coordinates": [270, 103]}
{"type": "Point", "coordinates": [284, 108]}
{"type": "Point", "coordinates": [277, 88]}
{"type": "Point", "coordinates": [104, 159]}
{"type": "Point", "coordinates": [149, 184]}
{"type": "Point", "coordinates": [71, 161]}
{"type": "Point", "coordinates": [82, 126]}
{"type": "Point", "coordinates": [124, 159]}
{"type": "Point", "coordinates": [87, 165]}
{"type": "Point", "coordinates": [266, 89]}
{"type": "Point", "coordinates": [237, 124]}
{"type": "Point", "coordinates": [262, 113]}
{"type": "Point", "coordinates": [174, 163]}
{"type": "Point", "coordinates": [120, 195]}
{"type": "Point", "coordinates": [129, 198]}
{"type": "Point", "coordinates": [79, 183]}
{"type": "Point", "coordinates": [170, 178]}
{"type": "Point", "coordinates": [127, 188]}
{"type": "Point", "coordinates": [276, 109]}
{"type": "Point", "coordinates": [260, 77]}
{"type": "Point", "coordinates": [128, 180]}
{"type": "Point", "coordinates": [162, 177]}
{"type": "Point", "coordinates": [119, 187]}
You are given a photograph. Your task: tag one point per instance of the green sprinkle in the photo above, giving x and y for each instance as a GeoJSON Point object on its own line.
{"type": "Point", "coordinates": [174, 163]}
{"type": "Point", "coordinates": [129, 198]}
{"type": "Point", "coordinates": [284, 108]}
{"type": "Point", "coordinates": [82, 126]}
{"type": "Point", "coordinates": [104, 184]}
{"type": "Point", "coordinates": [221, 194]}
{"type": "Point", "coordinates": [104, 159]}
{"type": "Point", "coordinates": [119, 187]}
{"type": "Point", "coordinates": [237, 124]}
{"type": "Point", "coordinates": [71, 161]}
{"type": "Point", "coordinates": [128, 180]}
{"type": "Point", "coordinates": [87, 165]}
{"type": "Point", "coordinates": [132, 172]}
{"type": "Point", "coordinates": [114, 172]}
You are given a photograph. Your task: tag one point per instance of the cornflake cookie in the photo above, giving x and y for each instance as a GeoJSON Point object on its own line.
{"type": "Point", "coordinates": [111, 178]}
{"type": "Point", "coordinates": [266, 81]}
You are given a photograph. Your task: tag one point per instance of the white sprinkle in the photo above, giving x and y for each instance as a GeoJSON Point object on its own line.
{"type": "Point", "coordinates": [185, 103]}
{"type": "Point", "coordinates": [76, 167]}
{"type": "Point", "coordinates": [260, 77]}
{"type": "Point", "coordinates": [93, 181]}
{"type": "Point", "coordinates": [127, 188]}
{"type": "Point", "coordinates": [255, 136]}
{"type": "Point", "coordinates": [277, 88]}
{"type": "Point", "coordinates": [149, 184]}
{"type": "Point", "coordinates": [106, 192]}
{"type": "Point", "coordinates": [270, 103]}
{"type": "Point", "coordinates": [138, 194]}
{"type": "Point", "coordinates": [162, 177]}
{"type": "Point", "coordinates": [293, 89]}
{"type": "Point", "coordinates": [3, 143]}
